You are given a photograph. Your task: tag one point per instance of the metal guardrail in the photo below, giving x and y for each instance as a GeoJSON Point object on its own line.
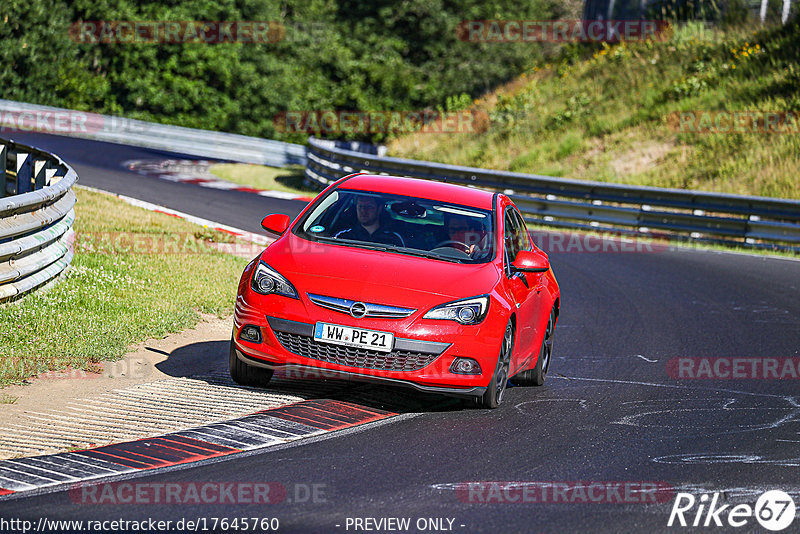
{"type": "Point", "coordinates": [36, 216]}
{"type": "Point", "coordinates": [559, 202]}
{"type": "Point", "coordinates": [203, 143]}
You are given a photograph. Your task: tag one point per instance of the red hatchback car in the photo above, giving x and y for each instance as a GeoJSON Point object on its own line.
{"type": "Point", "coordinates": [410, 282]}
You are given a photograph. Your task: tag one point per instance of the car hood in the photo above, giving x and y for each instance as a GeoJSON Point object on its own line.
{"type": "Point", "coordinates": [373, 275]}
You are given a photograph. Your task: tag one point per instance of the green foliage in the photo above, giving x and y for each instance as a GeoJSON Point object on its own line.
{"type": "Point", "coordinates": [458, 102]}
{"type": "Point", "coordinates": [335, 55]}
{"type": "Point", "coordinates": [613, 116]}
{"type": "Point", "coordinates": [577, 107]}
{"type": "Point", "coordinates": [34, 48]}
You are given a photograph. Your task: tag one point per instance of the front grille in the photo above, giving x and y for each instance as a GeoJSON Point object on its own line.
{"type": "Point", "coordinates": [370, 309]}
{"type": "Point", "coordinates": [397, 360]}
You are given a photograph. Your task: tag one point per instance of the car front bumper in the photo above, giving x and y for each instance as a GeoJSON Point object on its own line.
{"type": "Point", "coordinates": [421, 358]}
{"type": "Point", "coordinates": [466, 393]}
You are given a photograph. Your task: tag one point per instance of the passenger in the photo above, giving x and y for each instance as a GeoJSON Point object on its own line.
{"type": "Point", "coordinates": [369, 211]}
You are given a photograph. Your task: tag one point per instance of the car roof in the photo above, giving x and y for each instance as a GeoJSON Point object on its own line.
{"type": "Point", "coordinates": [414, 187]}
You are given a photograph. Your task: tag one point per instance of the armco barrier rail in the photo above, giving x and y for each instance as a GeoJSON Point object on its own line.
{"type": "Point", "coordinates": [559, 202]}
{"type": "Point", "coordinates": [18, 116]}
{"type": "Point", "coordinates": [36, 216]}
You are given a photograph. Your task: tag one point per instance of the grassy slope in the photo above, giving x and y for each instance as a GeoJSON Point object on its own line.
{"type": "Point", "coordinates": [605, 116]}
{"type": "Point", "coordinates": [285, 179]}
{"type": "Point", "coordinates": [115, 295]}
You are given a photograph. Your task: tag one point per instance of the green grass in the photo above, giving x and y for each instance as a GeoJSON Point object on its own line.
{"type": "Point", "coordinates": [604, 113]}
{"type": "Point", "coordinates": [8, 399]}
{"type": "Point", "coordinates": [135, 275]}
{"type": "Point", "coordinates": [285, 179]}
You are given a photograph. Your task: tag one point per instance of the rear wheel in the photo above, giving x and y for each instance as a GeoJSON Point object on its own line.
{"type": "Point", "coordinates": [497, 387]}
{"type": "Point", "coordinates": [247, 375]}
{"type": "Point", "coordinates": [536, 376]}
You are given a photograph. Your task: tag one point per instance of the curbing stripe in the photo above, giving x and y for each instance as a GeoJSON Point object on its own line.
{"type": "Point", "coordinates": [233, 432]}
{"type": "Point", "coordinates": [12, 485]}
{"type": "Point", "coordinates": [280, 428]}
{"type": "Point", "coordinates": [22, 474]}
{"type": "Point", "coordinates": [166, 170]}
{"type": "Point", "coordinates": [25, 468]}
{"type": "Point", "coordinates": [98, 465]}
{"type": "Point", "coordinates": [238, 445]}
{"type": "Point", "coordinates": [65, 468]}
{"type": "Point", "coordinates": [189, 444]}
{"type": "Point", "coordinates": [260, 430]}
{"type": "Point", "coordinates": [118, 457]}
{"type": "Point", "coordinates": [325, 415]}
{"type": "Point", "coordinates": [155, 452]}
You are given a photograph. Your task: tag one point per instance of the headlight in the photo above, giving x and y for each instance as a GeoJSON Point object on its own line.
{"type": "Point", "coordinates": [268, 281]}
{"type": "Point", "coordinates": [466, 311]}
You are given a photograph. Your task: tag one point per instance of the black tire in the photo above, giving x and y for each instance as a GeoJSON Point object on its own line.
{"type": "Point", "coordinates": [536, 376]}
{"type": "Point", "coordinates": [494, 393]}
{"type": "Point", "coordinates": [247, 375]}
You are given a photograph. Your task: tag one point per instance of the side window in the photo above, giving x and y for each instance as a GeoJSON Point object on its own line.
{"type": "Point", "coordinates": [511, 235]}
{"type": "Point", "coordinates": [516, 236]}
{"type": "Point", "coordinates": [524, 238]}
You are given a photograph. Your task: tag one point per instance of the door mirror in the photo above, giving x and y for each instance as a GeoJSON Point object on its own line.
{"type": "Point", "coordinates": [277, 223]}
{"type": "Point", "coordinates": [528, 261]}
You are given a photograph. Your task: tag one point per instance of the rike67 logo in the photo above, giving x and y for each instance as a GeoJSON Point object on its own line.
{"type": "Point", "coordinates": [774, 510]}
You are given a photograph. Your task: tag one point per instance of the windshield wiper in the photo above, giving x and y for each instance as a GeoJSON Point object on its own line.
{"type": "Point", "coordinates": [360, 244]}
{"type": "Point", "coordinates": [423, 254]}
{"type": "Point", "coordinates": [392, 248]}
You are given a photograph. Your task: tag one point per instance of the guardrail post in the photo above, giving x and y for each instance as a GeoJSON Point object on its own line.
{"type": "Point", "coordinates": [3, 153]}
{"type": "Point", "coordinates": [24, 172]}
{"type": "Point", "coordinates": [50, 172]}
{"type": "Point", "coordinates": [39, 174]}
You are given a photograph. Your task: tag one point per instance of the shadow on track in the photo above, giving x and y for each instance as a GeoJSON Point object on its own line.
{"type": "Point", "coordinates": [208, 361]}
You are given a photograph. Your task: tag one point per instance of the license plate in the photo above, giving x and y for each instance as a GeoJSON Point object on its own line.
{"type": "Point", "coordinates": [354, 337]}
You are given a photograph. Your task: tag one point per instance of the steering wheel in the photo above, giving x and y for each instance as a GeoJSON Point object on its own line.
{"type": "Point", "coordinates": [463, 247]}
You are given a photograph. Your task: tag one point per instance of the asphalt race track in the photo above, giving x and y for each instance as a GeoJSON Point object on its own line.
{"type": "Point", "coordinates": [612, 411]}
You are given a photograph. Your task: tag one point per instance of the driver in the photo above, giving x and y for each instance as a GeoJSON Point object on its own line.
{"type": "Point", "coordinates": [368, 211]}
{"type": "Point", "coordinates": [465, 234]}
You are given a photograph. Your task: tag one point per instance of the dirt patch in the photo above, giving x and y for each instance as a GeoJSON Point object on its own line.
{"type": "Point", "coordinates": [640, 158]}
{"type": "Point", "coordinates": [54, 390]}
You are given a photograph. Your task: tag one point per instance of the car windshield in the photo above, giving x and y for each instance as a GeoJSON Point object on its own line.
{"type": "Point", "coordinates": [405, 225]}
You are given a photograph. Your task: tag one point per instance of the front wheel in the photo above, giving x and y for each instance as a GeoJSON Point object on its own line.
{"type": "Point", "coordinates": [247, 375]}
{"type": "Point", "coordinates": [494, 393]}
{"type": "Point", "coordinates": [536, 376]}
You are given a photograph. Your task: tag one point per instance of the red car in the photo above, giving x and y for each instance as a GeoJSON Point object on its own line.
{"type": "Point", "coordinates": [405, 281]}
